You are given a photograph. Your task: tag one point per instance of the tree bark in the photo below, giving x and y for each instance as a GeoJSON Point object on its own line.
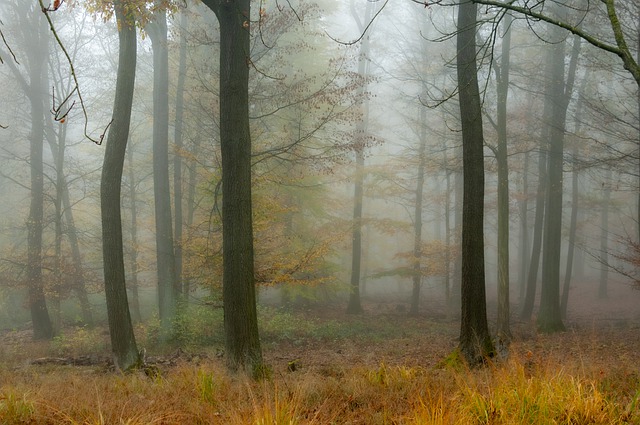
{"type": "Point", "coordinates": [604, 237]}
{"type": "Point", "coordinates": [475, 341]}
{"type": "Point", "coordinates": [167, 283]}
{"type": "Point", "coordinates": [134, 303]}
{"type": "Point", "coordinates": [354, 305]}
{"type": "Point", "coordinates": [177, 155]}
{"type": "Point", "coordinates": [573, 225]}
{"type": "Point", "coordinates": [417, 219]}
{"type": "Point", "coordinates": [123, 341]}
{"type": "Point", "coordinates": [37, 57]}
{"type": "Point", "coordinates": [564, 301]}
{"type": "Point", "coordinates": [536, 248]}
{"type": "Point", "coordinates": [524, 248]}
{"type": "Point", "coordinates": [559, 94]}
{"type": "Point", "coordinates": [502, 76]}
{"type": "Point", "coordinates": [242, 341]}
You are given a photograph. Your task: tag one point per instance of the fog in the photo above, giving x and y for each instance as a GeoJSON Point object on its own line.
{"type": "Point", "coordinates": [325, 86]}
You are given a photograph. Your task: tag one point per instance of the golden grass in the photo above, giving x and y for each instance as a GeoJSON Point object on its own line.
{"type": "Point", "coordinates": [522, 390]}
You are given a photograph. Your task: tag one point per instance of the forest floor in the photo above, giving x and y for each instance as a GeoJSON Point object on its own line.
{"type": "Point", "coordinates": [382, 367]}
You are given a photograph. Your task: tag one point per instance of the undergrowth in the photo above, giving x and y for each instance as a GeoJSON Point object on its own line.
{"type": "Point", "coordinates": [572, 379]}
{"type": "Point", "coordinates": [519, 391]}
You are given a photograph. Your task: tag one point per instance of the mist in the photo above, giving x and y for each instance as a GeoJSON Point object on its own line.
{"type": "Point", "coordinates": [190, 176]}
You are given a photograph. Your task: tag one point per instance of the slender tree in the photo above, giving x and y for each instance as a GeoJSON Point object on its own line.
{"type": "Point", "coordinates": [558, 95]}
{"type": "Point", "coordinates": [167, 283]}
{"type": "Point", "coordinates": [354, 306]}
{"type": "Point", "coordinates": [604, 236]}
{"type": "Point", "coordinates": [133, 250]}
{"type": "Point", "coordinates": [123, 343]}
{"type": "Point", "coordinates": [37, 58]}
{"type": "Point", "coordinates": [502, 77]}
{"type": "Point", "coordinates": [417, 216]}
{"type": "Point", "coordinates": [177, 157]}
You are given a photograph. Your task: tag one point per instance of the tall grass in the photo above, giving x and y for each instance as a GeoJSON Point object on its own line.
{"type": "Point", "coordinates": [518, 391]}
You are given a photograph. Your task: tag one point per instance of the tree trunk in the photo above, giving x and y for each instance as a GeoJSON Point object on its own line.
{"type": "Point", "coordinates": [64, 212]}
{"type": "Point", "coordinates": [502, 76]}
{"type": "Point", "coordinates": [161, 188]}
{"type": "Point", "coordinates": [604, 237]}
{"type": "Point", "coordinates": [242, 342]}
{"type": "Point", "coordinates": [456, 278]}
{"type": "Point", "coordinates": [559, 94]}
{"type": "Point", "coordinates": [417, 220]}
{"type": "Point", "coordinates": [123, 341]}
{"type": "Point", "coordinates": [524, 248]}
{"type": "Point", "coordinates": [37, 57]}
{"type": "Point", "coordinates": [177, 156]}
{"type": "Point", "coordinates": [564, 302]}
{"type": "Point", "coordinates": [134, 304]}
{"type": "Point", "coordinates": [638, 141]}
{"type": "Point", "coordinates": [354, 306]}
{"type": "Point", "coordinates": [573, 225]}
{"type": "Point", "coordinates": [475, 341]}
{"type": "Point", "coordinates": [447, 232]}
{"type": "Point", "coordinates": [536, 248]}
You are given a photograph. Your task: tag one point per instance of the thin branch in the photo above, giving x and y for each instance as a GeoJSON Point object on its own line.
{"type": "Point", "coordinates": [75, 78]}
{"type": "Point", "coordinates": [351, 43]}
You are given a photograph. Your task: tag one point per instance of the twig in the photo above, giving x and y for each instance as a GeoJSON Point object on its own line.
{"type": "Point", "coordinates": [75, 78]}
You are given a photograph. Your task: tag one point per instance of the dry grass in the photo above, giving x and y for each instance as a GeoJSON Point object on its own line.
{"type": "Point", "coordinates": [588, 375]}
{"type": "Point", "coordinates": [519, 391]}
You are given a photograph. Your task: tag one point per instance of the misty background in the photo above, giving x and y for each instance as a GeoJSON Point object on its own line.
{"type": "Point", "coordinates": [327, 110]}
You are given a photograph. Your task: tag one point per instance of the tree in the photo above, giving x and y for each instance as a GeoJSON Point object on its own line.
{"type": "Point", "coordinates": [167, 282]}
{"type": "Point", "coordinates": [177, 157]}
{"type": "Point", "coordinates": [475, 341]}
{"type": "Point", "coordinates": [417, 217]}
{"type": "Point", "coordinates": [610, 14]}
{"type": "Point", "coordinates": [242, 342]}
{"type": "Point", "coordinates": [604, 236]}
{"type": "Point", "coordinates": [37, 50]}
{"type": "Point", "coordinates": [123, 343]}
{"type": "Point", "coordinates": [502, 77]}
{"type": "Point", "coordinates": [354, 306]}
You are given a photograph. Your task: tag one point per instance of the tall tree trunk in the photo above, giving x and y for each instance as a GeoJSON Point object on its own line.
{"type": "Point", "coordinates": [58, 158]}
{"type": "Point", "coordinates": [502, 76]}
{"type": "Point", "coordinates": [354, 306]}
{"type": "Point", "coordinates": [417, 217]}
{"type": "Point", "coordinates": [167, 282]}
{"type": "Point", "coordinates": [604, 237]}
{"type": "Point", "coordinates": [638, 141]}
{"type": "Point", "coordinates": [456, 278]}
{"type": "Point", "coordinates": [475, 341]}
{"type": "Point", "coordinates": [447, 231]}
{"type": "Point", "coordinates": [37, 57]}
{"type": "Point", "coordinates": [123, 343]}
{"type": "Point", "coordinates": [524, 248]}
{"type": "Point", "coordinates": [242, 341]}
{"type": "Point", "coordinates": [536, 248]}
{"type": "Point", "coordinates": [177, 157]}
{"type": "Point", "coordinates": [191, 203]}
{"type": "Point", "coordinates": [573, 225]}
{"type": "Point", "coordinates": [64, 218]}
{"type": "Point", "coordinates": [559, 94]}
{"type": "Point", "coordinates": [134, 303]}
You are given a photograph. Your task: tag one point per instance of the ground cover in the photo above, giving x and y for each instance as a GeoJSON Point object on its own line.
{"type": "Point", "coordinates": [327, 367]}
